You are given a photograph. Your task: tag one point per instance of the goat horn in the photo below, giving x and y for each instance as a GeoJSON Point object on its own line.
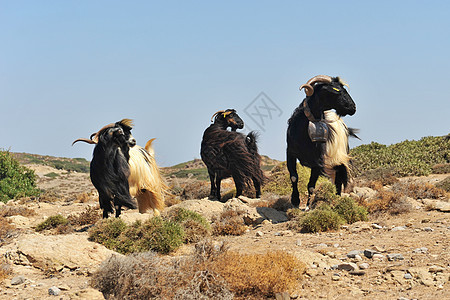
{"type": "Point", "coordinates": [219, 112]}
{"type": "Point", "coordinates": [309, 90]}
{"type": "Point", "coordinates": [84, 140]}
{"type": "Point", "coordinates": [94, 136]}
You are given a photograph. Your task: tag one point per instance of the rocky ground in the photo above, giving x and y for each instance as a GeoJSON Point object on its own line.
{"type": "Point", "coordinates": [406, 256]}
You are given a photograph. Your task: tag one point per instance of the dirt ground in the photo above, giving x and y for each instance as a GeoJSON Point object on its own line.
{"type": "Point", "coordinates": [420, 271]}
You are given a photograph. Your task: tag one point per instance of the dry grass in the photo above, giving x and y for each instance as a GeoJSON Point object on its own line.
{"type": "Point", "coordinates": [17, 210]}
{"type": "Point", "coordinates": [7, 230]}
{"type": "Point", "coordinates": [88, 217]}
{"type": "Point", "coordinates": [230, 222]}
{"type": "Point", "coordinates": [418, 190]}
{"type": "Point", "coordinates": [83, 198]}
{"type": "Point", "coordinates": [259, 275]}
{"type": "Point", "coordinates": [5, 269]}
{"type": "Point", "coordinates": [212, 272]}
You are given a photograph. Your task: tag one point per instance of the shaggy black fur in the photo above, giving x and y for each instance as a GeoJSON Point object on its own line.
{"type": "Point", "coordinates": [326, 96]}
{"type": "Point", "coordinates": [110, 169]}
{"type": "Point", "coordinates": [229, 153]}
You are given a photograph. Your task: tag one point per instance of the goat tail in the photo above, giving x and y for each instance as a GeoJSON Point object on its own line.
{"type": "Point", "coordinates": [146, 182]}
{"type": "Point", "coordinates": [149, 147]}
{"type": "Point", "coordinates": [352, 132]}
{"type": "Point", "coordinates": [251, 140]}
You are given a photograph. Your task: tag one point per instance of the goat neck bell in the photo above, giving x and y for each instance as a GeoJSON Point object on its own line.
{"type": "Point", "coordinates": [317, 129]}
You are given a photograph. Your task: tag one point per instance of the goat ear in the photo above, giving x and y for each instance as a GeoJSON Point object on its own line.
{"type": "Point", "coordinates": [126, 123]}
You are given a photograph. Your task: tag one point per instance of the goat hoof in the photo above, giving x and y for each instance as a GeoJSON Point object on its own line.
{"type": "Point", "coordinates": [214, 198]}
{"type": "Point", "coordinates": [306, 208]}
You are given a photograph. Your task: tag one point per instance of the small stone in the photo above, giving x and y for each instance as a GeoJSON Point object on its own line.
{"type": "Point", "coordinates": [378, 256]}
{"type": "Point", "coordinates": [421, 250]}
{"type": "Point", "coordinates": [331, 254]}
{"type": "Point", "coordinates": [17, 280]}
{"type": "Point", "coordinates": [277, 234]}
{"type": "Point", "coordinates": [379, 249]}
{"type": "Point", "coordinates": [358, 257]}
{"type": "Point", "coordinates": [298, 242]}
{"type": "Point", "coordinates": [336, 245]}
{"type": "Point", "coordinates": [64, 287]}
{"type": "Point", "coordinates": [376, 226]}
{"type": "Point", "coordinates": [322, 245]}
{"type": "Point", "coordinates": [353, 253]}
{"type": "Point", "coordinates": [363, 266]}
{"type": "Point", "coordinates": [402, 298]}
{"type": "Point", "coordinates": [259, 233]}
{"type": "Point", "coordinates": [369, 253]}
{"type": "Point", "coordinates": [395, 256]}
{"type": "Point", "coordinates": [408, 276]}
{"type": "Point", "coordinates": [436, 269]}
{"type": "Point", "coordinates": [347, 266]}
{"type": "Point", "coordinates": [357, 272]}
{"type": "Point", "coordinates": [398, 228]}
{"type": "Point", "coordinates": [336, 277]}
{"type": "Point", "coordinates": [55, 291]}
{"type": "Point", "coordinates": [428, 229]}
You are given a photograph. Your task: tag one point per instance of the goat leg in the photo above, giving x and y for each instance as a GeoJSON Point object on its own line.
{"type": "Point", "coordinates": [291, 162]}
{"type": "Point", "coordinates": [315, 172]}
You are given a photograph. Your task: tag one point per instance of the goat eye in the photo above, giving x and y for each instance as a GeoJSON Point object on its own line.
{"type": "Point", "coordinates": [337, 90]}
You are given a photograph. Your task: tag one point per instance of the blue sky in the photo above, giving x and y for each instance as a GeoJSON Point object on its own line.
{"type": "Point", "coordinates": [67, 68]}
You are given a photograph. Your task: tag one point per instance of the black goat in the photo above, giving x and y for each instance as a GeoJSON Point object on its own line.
{"type": "Point", "coordinates": [230, 153]}
{"type": "Point", "coordinates": [318, 137]}
{"type": "Point", "coordinates": [109, 166]}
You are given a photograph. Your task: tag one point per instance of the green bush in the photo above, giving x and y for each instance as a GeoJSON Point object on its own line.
{"type": "Point", "coordinates": [195, 225]}
{"type": "Point", "coordinates": [156, 234]}
{"type": "Point", "coordinates": [322, 219]}
{"type": "Point", "coordinates": [403, 159]}
{"type": "Point", "coordinates": [107, 232]}
{"type": "Point", "coordinates": [15, 180]}
{"type": "Point", "coordinates": [351, 212]}
{"type": "Point", "coordinates": [52, 222]}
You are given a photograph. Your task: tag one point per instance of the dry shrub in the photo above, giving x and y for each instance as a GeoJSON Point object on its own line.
{"type": "Point", "coordinates": [401, 206]}
{"type": "Point", "coordinates": [444, 184]}
{"type": "Point", "coordinates": [230, 222]}
{"type": "Point", "coordinates": [387, 202]}
{"type": "Point", "coordinates": [195, 190]}
{"type": "Point", "coordinates": [149, 276]}
{"type": "Point", "coordinates": [49, 196]}
{"type": "Point", "coordinates": [136, 276]}
{"type": "Point", "coordinates": [17, 210]}
{"type": "Point", "coordinates": [383, 201]}
{"type": "Point", "coordinates": [259, 275]}
{"type": "Point", "coordinates": [87, 217]}
{"type": "Point", "coordinates": [211, 273]}
{"type": "Point", "coordinates": [280, 203]}
{"type": "Point", "coordinates": [5, 269]}
{"type": "Point", "coordinates": [83, 198]}
{"type": "Point", "coordinates": [381, 175]}
{"type": "Point", "coordinates": [7, 230]}
{"type": "Point", "coordinates": [171, 200]}
{"type": "Point", "coordinates": [441, 169]}
{"type": "Point", "coordinates": [417, 190]}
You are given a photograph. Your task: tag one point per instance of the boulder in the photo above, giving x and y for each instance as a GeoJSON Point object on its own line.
{"type": "Point", "coordinates": [55, 252]}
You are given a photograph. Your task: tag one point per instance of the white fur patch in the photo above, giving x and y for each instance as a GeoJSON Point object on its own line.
{"type": "Point", "coordinates": [336, 147]}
